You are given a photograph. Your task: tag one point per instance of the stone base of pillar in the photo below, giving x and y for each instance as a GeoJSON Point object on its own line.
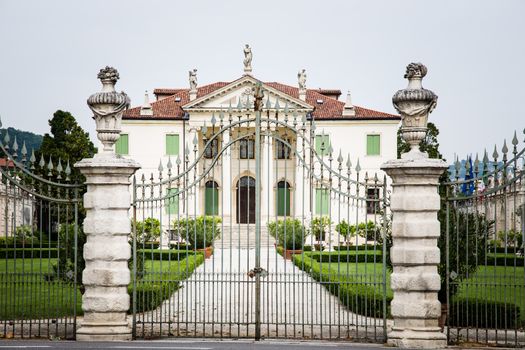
{"type": "Point", "coordinates": [104, 332]}
{"type": "Point", "coordinates": [425, 338]}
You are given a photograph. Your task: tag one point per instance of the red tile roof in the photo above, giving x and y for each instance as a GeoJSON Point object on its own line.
{"type": "Point", "coordinates": [329, 109]}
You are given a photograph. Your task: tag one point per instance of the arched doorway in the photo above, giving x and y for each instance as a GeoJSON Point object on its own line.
{"type": "Point", "coordinates": [246, 200]}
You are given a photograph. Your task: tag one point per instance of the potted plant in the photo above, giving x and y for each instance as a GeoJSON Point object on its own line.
{"type": "Point", "coordinates": [319, 227]}
{"type": "Point", "coordinates": [289, 234]}
{"type": "Point", "coordinates": [346, 230]}
{"type": "Point", "coordinates": [199, 232]}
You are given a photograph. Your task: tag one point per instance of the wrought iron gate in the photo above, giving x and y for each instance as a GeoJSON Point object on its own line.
{"type": "Point", "coordinates": [39, 235]}
{"type": "Point", "coordinates": [260, 230]}
{"type": "Point", "coordinates": [483, 216]}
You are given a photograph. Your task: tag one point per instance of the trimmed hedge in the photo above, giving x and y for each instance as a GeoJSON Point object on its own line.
{"type": "Point", "coordinates": [347, 256]}
{"type": "Point", "coordinates": [151, 294]}
{"type": "Point", "coordinates": [167, 254]}
{"type": "Point", "coordinates": [11, 253]}
{"type": "Point", "coordinates": [360, 298]}
{"type": "Point", "coordinates": [378, 247]}
{"type": "Point", "coordinates": [504, 260]}
{"type": "Point", "coordinates": [484, 314]}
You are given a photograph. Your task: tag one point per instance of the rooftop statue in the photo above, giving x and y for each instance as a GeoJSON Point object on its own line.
{"type": "Point", "coordinates": [247, 58]}
{"type": "Point", "coordinates": [193, 79]}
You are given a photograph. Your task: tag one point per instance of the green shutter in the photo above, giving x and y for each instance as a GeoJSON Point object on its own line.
{"type": "Point", "coordinates": [319, 139]}
{"type": "Point", "coordinates": [172, 203]}
{"type": "Point", "coordinates": [322, 201]}
{"type": "Point", "coordinates": [373, 145]}
{"type": "Point", "coordinates": [211, 201]}
{"type": "Point", "coordinates": [172, 145]}
{"type": "Point", "coordinates": [121, 147]}
{"type": "Point", "coordinates": [283, 202]}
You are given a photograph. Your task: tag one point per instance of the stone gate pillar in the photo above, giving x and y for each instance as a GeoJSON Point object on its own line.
{"type": "Point", "coordinates": [107, 224]}
{"type": "Point", "coordinates": [415, 228]}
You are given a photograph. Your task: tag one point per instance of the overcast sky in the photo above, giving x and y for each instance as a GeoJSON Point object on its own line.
{"type": "Point", "coordinates": [51, 51]}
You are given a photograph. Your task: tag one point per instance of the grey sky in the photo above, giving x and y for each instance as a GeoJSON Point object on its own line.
{"type": "Point", "coordinates": [51, 51]}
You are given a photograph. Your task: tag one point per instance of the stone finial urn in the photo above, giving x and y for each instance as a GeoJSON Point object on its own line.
{"type": "Point", "coordinates": [414, 104]}
{"type": "Point", "coordinates": [108, 106]}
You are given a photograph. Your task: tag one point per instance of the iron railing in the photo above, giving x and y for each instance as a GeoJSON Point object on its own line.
{"type": "Point", "coordinates": [295, 236]}
{"type": "Point", "coordinates": [39, 235]}
{"type": "Point", "coordinates": [483, 222]}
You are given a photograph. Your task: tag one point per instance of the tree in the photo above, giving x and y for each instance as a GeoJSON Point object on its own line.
{"type": "Point", "coordinates": [67, 142]}
{"type": "Point", "coordinates": [429, 144]}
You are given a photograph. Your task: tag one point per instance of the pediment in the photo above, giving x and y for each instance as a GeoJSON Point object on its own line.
{"type": "Point", "coordinates": [242, 90]}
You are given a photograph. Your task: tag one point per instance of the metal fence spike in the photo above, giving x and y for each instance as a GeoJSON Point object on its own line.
{"type": "Point", "coordinates": [169, 165]}
{"type": "Point", "coordinates": [485, 157]}
{"type": "Point", "coordinates": [213, 119]}
{"type": "Point", "coordinates": [178, 161]}
{"type": "Point", "coordinates": [268, 103]}
{"type": "Point", "coordinates": [160, 168]}
{"type": "Point", "coordinates": [230, 110]}
{"type": "Point", "coordinates": [14, 147]}
{"type": "Point", "coordinates": [239, 105]}
{"type": "Point", "coordinates": [50, 167]}
{"type": "Point", "coordinates": [285, 107]}
{"type": "Point", "coordinates": [42, 162]}
{"type": "Point", "coordinates": [24, 150]}
{"type": "Point", "coordinates": [348, 162]}
{"type": "Point", "coordinates": [59, 169]}
{"type": "Point", "coordinates": [204, 129]}
{"type": "Point", "coordinates": [515, 139]}
{"type": "Point", "coordinates": [495, 153]}
{"type": "Point", "coordinates": [32, 158]}
{"type": "Point", "coordinates": [277, 106]}
{"type": "Point", "coordinates": [505, 149]}
{"type": "Point", "coordinates": [7, 139]}
{"type": "Point", "coordinates": [340, 157]}
{"type": "Point", "coordinates": [358, 166]}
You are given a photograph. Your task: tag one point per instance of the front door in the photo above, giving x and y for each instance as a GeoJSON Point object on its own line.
{"type": "Point", "coordinates": [246, 200]}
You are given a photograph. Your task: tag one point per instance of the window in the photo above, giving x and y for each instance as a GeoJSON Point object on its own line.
{"type": "Point", "coordinates": [212, 150]}
{"type": "Point", "coordinates": [211, 198]}
{"type": "Point", "coordinates": [373, 145]}
{"type": "Point", "coordinates": [172, 201]}
{"type": "Point", "coordinates": [172, 144]}
{"type": "Point", "coordinates": [283, 199]}
{"type": "Point", "coordinates": [322, 144]}
{"type": "Point", "coordinates": [121, 147]}
{"type": "Point", "coordinates": [283, 150]}
{"type": "Point", "coordinates": [247, 149]}
{"type": "Point", "coordinates": [372, 201]}
{"type": "Point", "coordinates": [322, 201]}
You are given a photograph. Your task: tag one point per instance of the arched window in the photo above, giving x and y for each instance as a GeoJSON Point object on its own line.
{"type": "Point", "coordinates": [211, 198]}
{"type": "Point", "coordinates": [283, 198]}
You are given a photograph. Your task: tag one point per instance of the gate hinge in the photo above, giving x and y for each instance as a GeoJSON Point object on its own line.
{"type": "Point", "coordinates": [257, 271]}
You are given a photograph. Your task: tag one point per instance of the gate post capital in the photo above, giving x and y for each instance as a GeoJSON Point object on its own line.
{"type": "Point", "coordinates": [415, 203]}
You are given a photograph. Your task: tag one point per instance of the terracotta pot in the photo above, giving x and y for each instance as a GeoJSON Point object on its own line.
{"type": "Point", "coordinates": [208, 252]}
{"type": "Point", "coordinates": [288, 253]}
{"type": "Point", "coordinates": [443, 318]}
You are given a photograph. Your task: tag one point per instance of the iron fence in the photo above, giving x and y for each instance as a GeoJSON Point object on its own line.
{"type": "Point", "coordinates": [40, 292]}
{"type": "Point", "coordinates": [260, 230]}
{"type": "Point", "coordinates": [483, 218]}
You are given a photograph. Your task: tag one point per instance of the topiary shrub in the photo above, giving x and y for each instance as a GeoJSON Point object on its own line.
{"type": "Point", "coordinates": [320, 227]}
{"type": "Point", "coordinates": [147, 230]}
{"type": "Point", "coordinates": [289, 234]}
{"type": "Point", "coordinates": [199, 232]}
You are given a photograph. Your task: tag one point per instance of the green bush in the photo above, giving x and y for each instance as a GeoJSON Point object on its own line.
{"type": "Point", "coordinates": [32, 253]}
{"type": "Point", "coordinates": [289, 233]}
{"type": "Point", "coordinates": [26, 235]}
{"type": "Point", "coordinates": [320, 226]}
{"type": "Point", "coordinates": [510, 238]}
{"type": "Point", "coordinates": [369, 231]}
{"type": "Point", "coordinates": [360, 298]}
{"type": "Point", "coordinates": [65, 267]}
{"type": "Point", "coordinates": [369, 247]}
{"type": "Point", "coordinates": [200, 232]}
{"type": "Point", "coordinates": [147, 230]}
{"type": "Point", "coordinates": [503, 260]}
{"type": "Point", "coordinates": [483, 314]}
{"type": "Point", "coordinates": [166, 254]}
{"type": "Point", "coordinates": [348, 256]}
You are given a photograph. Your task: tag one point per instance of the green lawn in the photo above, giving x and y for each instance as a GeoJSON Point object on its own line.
{"type": "Point", "coordinates": [28, 290]}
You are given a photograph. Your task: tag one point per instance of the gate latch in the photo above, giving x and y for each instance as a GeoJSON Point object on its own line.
{"type": "Point", "coordinates": [257, 271]}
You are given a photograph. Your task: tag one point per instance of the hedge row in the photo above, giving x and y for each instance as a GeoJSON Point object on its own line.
{"type": "Point", "coordinates": [358, 297]}
{"type": "Point", "coordinates": [167, 254]}
{"type": "Point", "coordinates": [503, 260]}
{"type": "Point", "coordinates": [484, 314]}
{"type": "Point", "coordinates": [347, 256]}
{"type": "Point", "coordinates": [151, 294]}
{"type": "Point", "coordinates": [28, 253]}
{"type": "Point", "coordinates": [368, 247]}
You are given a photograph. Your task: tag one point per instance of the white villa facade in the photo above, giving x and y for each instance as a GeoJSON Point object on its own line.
{"type": "Point", "coordinates": [157, 132]}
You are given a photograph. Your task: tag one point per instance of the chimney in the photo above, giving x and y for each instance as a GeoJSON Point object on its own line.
{"type": "Point", "coordinates": [349, 110]}
{"type": "Point", "coordinates": [146, 109]}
